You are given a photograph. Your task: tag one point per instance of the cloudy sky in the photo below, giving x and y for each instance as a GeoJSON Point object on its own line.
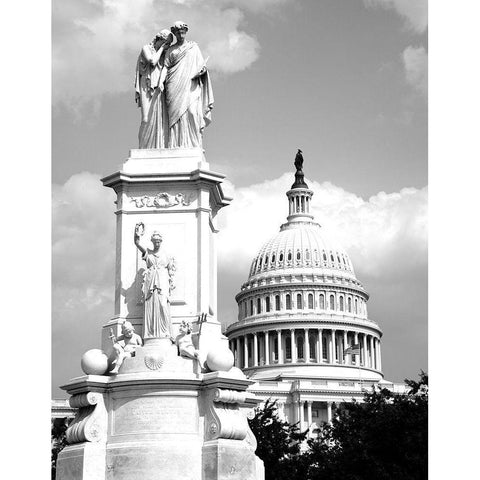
{"type": "Point", "coordinates": [345, 81]}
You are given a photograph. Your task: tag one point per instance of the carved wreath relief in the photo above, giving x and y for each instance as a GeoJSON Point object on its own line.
{"type": "Point", "coordinates": [161, 200]}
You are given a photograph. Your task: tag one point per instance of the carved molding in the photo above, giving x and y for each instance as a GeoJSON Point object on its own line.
{"type": "Point", "coordinates": [161, 200]}
{"type": "Point", "coordinates": [90, 424]}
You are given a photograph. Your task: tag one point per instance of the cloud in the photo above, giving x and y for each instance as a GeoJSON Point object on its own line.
{"type": "Point", "coordinates": [385, 236]}
{"type": "Point", "coordinates": [415, 62]}
{"type": "Point", "coordinates": [96, 44]}
{"type": "Point", "coordinates": [414, 12]}
{"type": "Point", "coordinates": [387, 229]}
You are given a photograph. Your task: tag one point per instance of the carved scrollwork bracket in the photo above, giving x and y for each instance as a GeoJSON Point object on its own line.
{"type": "Point", "coordinates": [225, 418]}
{"type": "Point", "coordinates": [90, 424]}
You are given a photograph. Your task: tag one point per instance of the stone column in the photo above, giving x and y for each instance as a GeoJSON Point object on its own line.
{"type": "Point", "coordinates": [309, 412]}
{"type": "Point", "coordinates": [346, 358]}
{"type": "Point", "coordinates": [237, 353]}
{"type": "Point", "coordinates": [306, 346]}
{"type": "Point", "coordinates": [255, 349]}
{"type": "Point", "coordinates": [245, 352]}
{"type": "Point", "coordinates": [355, 341]}
{"type": "Point", "coordinates": [364, 350]}
{"type": "Point", "coordinates": [293, 345]}
{"type": "Point", "coordinates": [301, 410]}
{"type": "Point", "coordinates": [267, 349]}
{"type": "Point", "coordinates": [295, 411]}
{"type": "Point", "coordinates": [280, 350]}
{"type": "Point", "coordinates": [334, 346]}
{"type": "Point", "coordinates": [320, 346]}
{"type": "Point", "coordinates": [372, 356]}
{"type": "Point", "coordinates": [329, 412]}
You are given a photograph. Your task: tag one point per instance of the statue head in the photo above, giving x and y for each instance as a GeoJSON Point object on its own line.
{"type": "Point", "coordinates": [185, 328]}
{"type": "Point", "coordinates": [156, 239]}
{"type": "Point", "coordinates": [179, 29]}
{"type": "Point", "coordinates": [127, 329]}
{"type": "Point", "coordinates": [161, 37]}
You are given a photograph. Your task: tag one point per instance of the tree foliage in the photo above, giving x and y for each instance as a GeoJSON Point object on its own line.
{"type": "Point", "coordinates": [383, 438]}
{"type": "Point", "coordinates": [59, 441]}
{"type": "Point", "coordinates": [279, 444]}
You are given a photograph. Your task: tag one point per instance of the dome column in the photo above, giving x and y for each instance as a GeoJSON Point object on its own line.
{"type": "Point", "coordinates": [306, 347]}
{"type": "Point", "coordinates": [364, 350]}
{"type": "Point", "coordinates": [237, 352]}
{"type": "Point", "coordinates": [267, 348]}
{"type": "Point", "coordinates": [346, 358]}
{"type": "Point", "coordinates": [279, 347]}
{"type": "Point", "coordinates": [255, 350]}
{"type": "Point", "coordinates": [293, 345]}
{"type": "Point", "coordinates": [320, 346]}
{"type": "Point", "coordinates": [334, 347]}
{"type": "Point", "coordinates": [354, 357]}
{"type": "Point", "coordinates": [329, 412]}
{"type": "Point", "coordinates": [372, 357]}
{"type": "Point", "coordinates": [245, 352]}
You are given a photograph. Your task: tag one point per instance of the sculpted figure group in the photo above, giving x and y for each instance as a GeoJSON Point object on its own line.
{"type": "Point", "coordinates": [173, 90]}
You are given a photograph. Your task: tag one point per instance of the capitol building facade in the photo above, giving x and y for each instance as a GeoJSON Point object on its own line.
{"type": "Point", "coordinates": [303, 330]}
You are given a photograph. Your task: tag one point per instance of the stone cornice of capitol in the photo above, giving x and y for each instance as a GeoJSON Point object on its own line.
{"type": "Point", "coordinates": [311, 320]}
{"type": "Point", "coordinates": [280, 286]}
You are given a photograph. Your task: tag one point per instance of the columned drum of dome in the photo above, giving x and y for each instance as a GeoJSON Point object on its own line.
{"type": "Point", "coordinates": [302, 315]}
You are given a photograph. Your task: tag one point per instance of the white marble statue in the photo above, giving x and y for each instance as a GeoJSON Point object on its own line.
{"type": "Point", "coordinates": [124, 345]}
{"type": "Point", "coordinates": [184, 342]}
{"type": "Point", "coordinates": [148, 93]}
{"type": "Point", "coordinates": [188, 90]}
{"type": "Point", "coordinates": [157, 287]}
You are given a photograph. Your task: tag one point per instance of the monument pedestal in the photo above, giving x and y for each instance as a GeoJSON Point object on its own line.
{"type": "Point", "coordinates": [165, 416]}
{"type": "Point", "coordinates": [157, 425]}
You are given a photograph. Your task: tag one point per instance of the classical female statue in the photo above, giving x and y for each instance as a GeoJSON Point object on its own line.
{"type": "Point", "coordinates": [148, 94]}
{"type": "Point", "coordinates": [188, 91]}
{"type": "Point", "coordinates": [156, 288]}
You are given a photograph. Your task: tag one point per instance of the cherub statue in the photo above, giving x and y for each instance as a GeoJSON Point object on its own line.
{"type": "Point", "coordinates": [124, 345]}
{"type": "Point", "coordinates": [184, 342]}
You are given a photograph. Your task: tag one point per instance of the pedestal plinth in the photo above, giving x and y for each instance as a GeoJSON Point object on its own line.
{"type": "Point", "coordinates": [160, 425]}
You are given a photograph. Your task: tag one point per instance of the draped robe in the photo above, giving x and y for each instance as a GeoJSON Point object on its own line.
{"type": "Point", "coordinates": [189, 102]}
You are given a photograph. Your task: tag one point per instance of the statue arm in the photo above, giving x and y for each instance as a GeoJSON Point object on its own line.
{"type": "Point", "coordinates": [136, 240]}
{"type": "Point", "coordinates": [152, 58]}
{"type": "Point", "coordinates": [163, 75]}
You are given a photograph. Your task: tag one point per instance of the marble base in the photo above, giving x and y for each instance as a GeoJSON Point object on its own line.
{"type": "Point", "coordinates": [160, 425]}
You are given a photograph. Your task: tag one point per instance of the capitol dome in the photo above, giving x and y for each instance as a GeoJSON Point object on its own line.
{"type": "Point", "coordinates": [302, 316]}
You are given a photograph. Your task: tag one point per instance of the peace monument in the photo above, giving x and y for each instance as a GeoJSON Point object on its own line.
{"type": "Point", "coordinates": [161, 399]}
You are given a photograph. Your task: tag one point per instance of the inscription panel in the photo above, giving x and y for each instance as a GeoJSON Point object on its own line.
{"type": "Point", "coordinates": [155, 414]}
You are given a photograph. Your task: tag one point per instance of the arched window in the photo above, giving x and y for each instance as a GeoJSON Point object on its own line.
{"type": "Point", "coordinates": [349, 304]}
{"type": "Point", "coordinates": [324, 257]}
{"type": "Point", "coordinates": [338, 259]}
{"type": "Point", "coordinates": [313, 347]}
{"type": "Point", "coordinates": [332, 302]}
{"type": "Point", "coordinates": [281, 257]}
{"type": "Point", "coordinates": [356, 306]}
{"type": "Point", "coordinates": [273, 258]}
{"type": "Point", "coordinates": [267, 304]}
{"type": "Point", "coordinates": [310, 301]}
{"type": "Point", "coordinates": [277, 302]}
{"type": "Point", "coordinates": [288, 347]}
{"type": "Point", "coordinates": [307, 255]}
{"type": "Point", "coordinates": [315, 255]}
{"type": "Point", "coordinates": [288, 302]}
{"type": "Point", "coordinates": [331, 257]}
{"type": "Point", "coordinates": [322, 302]}
{"type": "Point", "coordinates": [251, 307]}
{"type": "Point", "coordinates": [289, 257]}
{"type": "Point", "coordinates": [300, 347]}
{"type": "Point", "coordinates": [259, 306]}
{"type": "Point", "coordinates": [342, 307]}
{"type": "Point", "coordinates": [299, 255]}
{"type": "Point", "coordinates": [299, 301]}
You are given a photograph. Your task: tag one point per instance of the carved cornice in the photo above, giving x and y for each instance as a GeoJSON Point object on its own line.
{"type": "Point", "coordinates": [161, 200]}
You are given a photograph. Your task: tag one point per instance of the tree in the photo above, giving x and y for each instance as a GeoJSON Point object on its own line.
{"type": "Point", "coordinates": [59, 441]}
{"type": "Point", "coordinates": [279, 444]}
{"type": "Point", "coordinates": [384, 438]}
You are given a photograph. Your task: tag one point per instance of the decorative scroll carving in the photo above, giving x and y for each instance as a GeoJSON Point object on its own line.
{"type": "Point", "coordinates": [225, 418]}
{"type": "Point", "coordinates": [90, 424]}
{"type": "Point", "coordinates": [161, 200]}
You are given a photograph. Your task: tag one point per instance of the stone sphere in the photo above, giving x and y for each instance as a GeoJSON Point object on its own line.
{"type": "Point", "coordinates": [220, 358]}
{"type": "Point", "coordinates": [94, 362]}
